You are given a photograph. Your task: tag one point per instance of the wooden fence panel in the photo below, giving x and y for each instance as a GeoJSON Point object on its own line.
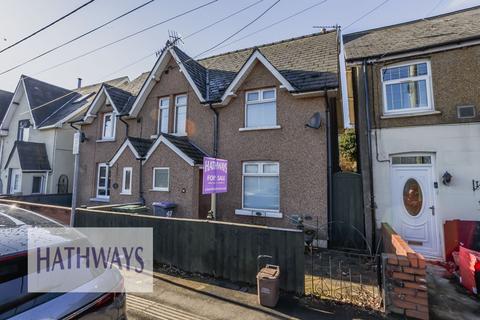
{"type": "Point", "coordinates": [220, 249]}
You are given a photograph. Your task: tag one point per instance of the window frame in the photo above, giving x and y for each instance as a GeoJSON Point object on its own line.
{"type": "Point", "coordinates": [160, 108]}
{"type": "Point", "coordinates": [428, 80]}
{"type": "Point", "coordinates": [15, 172]}
{"type": "Point", "coordinates": [176, 114]}
{"type": "Point", "coordinates": [260, 101]}
{"type": "Point", "coordinates": [23, 133]}
{"type": "Point", "coordinates": [167, 189]}
{"type": "Point", "coordinates": [262, 174]}
{"type": "Point", "coordinates": [127, 191]}
{"type": "Point", "coordinates": [107, 189]}
{"type": "Point", "coordinates": [42, 184]}
{"type": "Point", "coordinates": [114, 126]}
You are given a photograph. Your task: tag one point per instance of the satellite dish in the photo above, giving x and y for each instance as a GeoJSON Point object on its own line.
{"type": "Point", "coordinates": [315, 121]}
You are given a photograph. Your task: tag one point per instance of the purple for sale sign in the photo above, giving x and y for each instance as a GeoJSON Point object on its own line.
{"type": "Point", "coordinates": [214, 175]}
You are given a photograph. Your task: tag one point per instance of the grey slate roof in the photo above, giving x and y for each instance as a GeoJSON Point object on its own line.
{"type": "Point", "coordinates": [46, 99]}
{"type": "Point", "coordinates": [122, 99]}
{"type": "Point", "coordinates": [308, 63]}
{"type": "Point", "coordinates": [33, 156]}
{"type": "Point", "coordinates": [141, 145]}
{"type": "Point", "coordinates": [51, 104]}
{"type": "Point", "coordinates": [5, 99]}
{"type": "Point", "coordinates": [421, 34]}
{"type": "Point", "coordinates": [124, 95]}
{"type": "Point", "coordinates": [187, 147]}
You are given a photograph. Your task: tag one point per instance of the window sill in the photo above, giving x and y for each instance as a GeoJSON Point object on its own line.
{"type": "Point", "coordinates": [263, 213]}
{"type": "Point", "coordinates": [105, 140]}
{"type": "Point", "coordinates": [178, 134]}
{"type": "Point", "coordinates": [260, 128]}
{"type": "Point", "coordinates": [160, 190]}
{"type": "Point", "coordinates": [125, 193]}
{"type": "Point", "coordinates": [410, 114]}
{"type": "Point", "coordinates": [100, 199]}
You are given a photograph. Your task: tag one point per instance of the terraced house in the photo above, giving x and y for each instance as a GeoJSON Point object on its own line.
{"type": "Point", "coordinates": [264, 109]}
{"type": "Point", "coordinates": [418, 101]}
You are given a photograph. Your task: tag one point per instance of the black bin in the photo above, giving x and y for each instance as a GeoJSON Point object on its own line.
{"type": "Point", "coordinates": [164, 209]}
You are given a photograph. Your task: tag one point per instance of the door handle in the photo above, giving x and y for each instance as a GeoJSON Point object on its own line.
{"type": "Point", "coordinates": [433, 210]}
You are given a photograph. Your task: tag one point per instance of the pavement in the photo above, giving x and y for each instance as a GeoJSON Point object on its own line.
{"type": "Point", "coordinates": [176, 298]}
{"type": "Point", "coordinates": [447, 298]}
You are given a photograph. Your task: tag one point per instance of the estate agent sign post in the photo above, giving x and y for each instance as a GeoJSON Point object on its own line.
{"type": "Point", "coordinates": [215, 173]}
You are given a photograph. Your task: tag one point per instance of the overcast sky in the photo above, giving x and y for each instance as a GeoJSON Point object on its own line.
{"type": "Point", "coordinates": [19, 18]}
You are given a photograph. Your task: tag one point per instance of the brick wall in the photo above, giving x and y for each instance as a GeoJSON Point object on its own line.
{"type": "Point", "coordinates": [405, 283]}
{"type": "Point", "coordinates": [57, 213]}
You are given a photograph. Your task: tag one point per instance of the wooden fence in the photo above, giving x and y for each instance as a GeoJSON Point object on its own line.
{"type": "Point", "coordinates": [224, 250]}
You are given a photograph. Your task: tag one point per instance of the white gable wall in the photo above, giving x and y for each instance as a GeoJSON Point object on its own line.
{"type": "Point", "coordinates": [58, 145]}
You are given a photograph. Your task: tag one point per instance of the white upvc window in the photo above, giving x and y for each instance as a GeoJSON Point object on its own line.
{"type": "Point", "coordinates": [407, 88]}
{"type": "Point", "coordinates": [181, 114]}
{"type": "Point", "coordinates": [15, 181]}
{"type": "Point", "coordinates": [127, 181]}
{"type": "Point", "coordinates": [261, 186]}
{"type": "Point", "coordinates": [161, 179]}
{"type": "Point", "coordinates": [37, 184]}
{"type": "Point", "coordinates": [261, 108]}
{"type": "Point", "coordinates": [103, 181]}
{"type": "Point", "coordinates": [163, 110]}
{"type": "Point", "coordinates": [108, 128]}
{"type": "Point", "coordinates": [23, 133]}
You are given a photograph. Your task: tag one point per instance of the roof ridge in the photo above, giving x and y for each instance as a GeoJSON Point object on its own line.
{"type": "Point", "coordinates": [446, 14]}
{"type": "Point", "coordinates": [269, 44]}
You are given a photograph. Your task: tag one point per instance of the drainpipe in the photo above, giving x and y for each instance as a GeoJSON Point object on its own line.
{"type": "Point", "coordinates": [140, 180]}
{"type": "Point", "coordinates": [329, 162]}
{"type": "Point", "coordinates": [369, 143]}
{"type": "Point", "coordinates": [126, 123]}
{"type": "Point", "coordinates": [76, 169]}
{"type": "Point", "coordinates": [213, 196]}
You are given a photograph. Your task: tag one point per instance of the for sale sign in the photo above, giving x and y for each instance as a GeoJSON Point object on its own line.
{"type": "Point", "coordinates": [214, 175]}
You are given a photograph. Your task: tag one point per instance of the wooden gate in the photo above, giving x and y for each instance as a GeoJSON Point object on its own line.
{"type": "Point", "coordinates": [347, 225]}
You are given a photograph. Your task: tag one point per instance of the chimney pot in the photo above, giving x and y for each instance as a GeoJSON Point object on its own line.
{"type": "Point", "coordinates": [79, 83]}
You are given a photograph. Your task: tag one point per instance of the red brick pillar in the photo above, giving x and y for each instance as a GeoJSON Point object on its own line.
{"type": "Point", "coordinates": [405, 283]}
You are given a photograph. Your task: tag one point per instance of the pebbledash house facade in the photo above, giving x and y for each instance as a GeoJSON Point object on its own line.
{"type": "Point", "coordinates": [417, 97]}
{"type": "Point", "coordinates": [145, 143]}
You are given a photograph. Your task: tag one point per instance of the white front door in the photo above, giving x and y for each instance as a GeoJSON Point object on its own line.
{"type": "Point", "coordinates": [413, 204]}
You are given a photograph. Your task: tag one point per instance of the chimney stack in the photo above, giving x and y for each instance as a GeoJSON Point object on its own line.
{"type": "Point", "coordinates": [79, 83]}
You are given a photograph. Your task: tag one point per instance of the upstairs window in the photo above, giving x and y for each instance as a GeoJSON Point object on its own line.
{"type": "Point", "coordinates": [23, 132]}
{"type": "Point", "coordinates": [407, 88]}
{"type": "Point", "coordinates": [181, 115]}
{"type": "Point", "coordinates": [163, 109]}
{"type": "Point", "coordinates": [108, 129]}
{"type": "Point", "coordinates": [261, 108]}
